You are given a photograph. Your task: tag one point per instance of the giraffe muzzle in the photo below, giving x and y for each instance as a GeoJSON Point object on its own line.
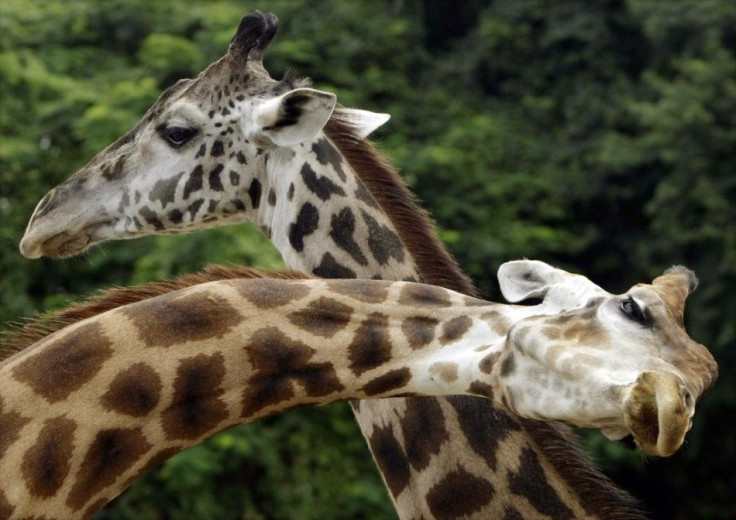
{"type": "Point", "coordinates": [42, 240]}
{"type": "Point", "coordinates": [658, 411]}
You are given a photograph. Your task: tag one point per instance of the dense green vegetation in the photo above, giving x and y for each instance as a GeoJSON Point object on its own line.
{"type": "Point", "coordinates": [597, 135]}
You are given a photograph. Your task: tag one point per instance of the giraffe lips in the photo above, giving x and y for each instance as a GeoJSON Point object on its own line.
{"type": "Point", "coordinates": [62, 244]}
{"type": "Point", "coordinates": [658, 411]}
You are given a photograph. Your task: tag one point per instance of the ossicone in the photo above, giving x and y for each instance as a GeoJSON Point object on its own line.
{"type": "Point", "coordinates": [684, 272]}
{"type": "Point", "coordinates": [254, 33]}
{"type": "Point", "coordinates": [674, 286]}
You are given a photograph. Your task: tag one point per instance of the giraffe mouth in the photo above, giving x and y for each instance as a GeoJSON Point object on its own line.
{"type": "Point", "coordinates": [658, 412]}
{"type": "Point", "coordinates": [64, 244]}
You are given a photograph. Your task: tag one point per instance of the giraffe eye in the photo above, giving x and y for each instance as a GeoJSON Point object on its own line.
{"type": "Point", "coordinates": [176, 136]}
{"type": "Point", "coordinates": [633, 311]}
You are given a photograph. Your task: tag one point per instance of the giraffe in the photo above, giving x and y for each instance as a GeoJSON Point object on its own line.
{"type": "Point", "coordinates": [236, 146]}
{"type": "Point", "coordinates": [89, 408]}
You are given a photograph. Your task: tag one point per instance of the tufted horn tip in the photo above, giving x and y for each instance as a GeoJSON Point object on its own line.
{"type": "Point", "coordinates": [254, 33]}
{"type": "Point", "coordinates": [681, 270]}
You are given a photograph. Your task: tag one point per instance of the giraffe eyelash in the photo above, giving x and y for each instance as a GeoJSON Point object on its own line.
{"type": "Point", "coordinates": [631, 309]}
{"type": "Point", "coordinates": [176, 136]}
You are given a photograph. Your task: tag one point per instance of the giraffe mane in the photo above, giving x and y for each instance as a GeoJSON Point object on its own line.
{"type": "Point", "coordinates": [25, 333]}
{"type": "Point", "coordinates": [412, 222]}
{"type": "Point", "coordinates": [416, 228]}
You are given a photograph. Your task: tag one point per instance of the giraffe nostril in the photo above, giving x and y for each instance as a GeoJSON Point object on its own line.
{"type": "Point", "coordinates": [688, 398]}
{"type": "Point", "coordinates": [45, 205]}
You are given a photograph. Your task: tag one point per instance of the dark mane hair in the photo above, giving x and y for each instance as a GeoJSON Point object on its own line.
{"type": "Point", "coordinates": [598, 494]}
{"type": "Point", "coordinates": [28, 332]}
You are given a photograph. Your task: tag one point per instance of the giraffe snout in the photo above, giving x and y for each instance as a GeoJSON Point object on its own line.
{"type": "Point", "coordinates": [658, 411]}
{"type": "Point", "coordinates": [58, 228]}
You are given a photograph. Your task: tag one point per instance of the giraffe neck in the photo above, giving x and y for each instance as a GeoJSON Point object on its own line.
{"type": "Point", "coordinates": [258, 347]}
{"type": "Point", "coordinates": [321, 217]}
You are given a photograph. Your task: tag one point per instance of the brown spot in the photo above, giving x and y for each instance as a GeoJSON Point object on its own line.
{"type": "Point", "coordinates": [342, 230]}
{"type": "Point", "coordinates": [46, 464]}
{"type": "Point", "coordinates": [499, 323]}
{"type": "Point", "coordinates": [458, 494]}
{"type": "Point", "coordinates": [446, 370]}
{"type": "Point", "coordinates": [371, 345]}
{"type": "Point", "coordinates": [455, 328]}
{"type": "Point", "coordinates": [278, 362]}
{"type": "Point", "coordinates": [511, 513]}
{"type": "Point", "coordinates": [111, 454]}
{"type": "Point", "coordinates": [418, 295]}
{"type": "Point", "coordinates": [113, 172]}
{"type": "Point", "coordinates": [322, 317]}
{"type": "Point", "coordinates": [508, 365]}
{"type": "Point", "coordinates": [362, 193]}
{"type": "Point", "coordinates": [551, 332]}
{"type": "Point", "coordinates": [481, 389]}
{"type": "Point", "coordinates": [483, 426]}
{"type": "Point", "coordinates": [267, 294]}
{"type": "Point", "coordinates": [486, 364]}
{"type": "Point", "coordinates": [585, 333]}
{"type": "Point", "coordinates": [194, 182]}
{"type": "Point", "coordinates": [66, 363]}
{"type": "Point", "coordinates": [419, 330]}
{"type": "Point", "coordinates": [6, 508]}
{"type": "Point", "coordinates": [368, 291]}
{"type": "Point", "coordinates": [537, 491]}
{"type": "Point", "coordinates": [390, 459]}
{"type": "Point", "coordinates": [389, 381]}
{"type": "Point", "coordinates": [331, 268]}
{"type": "Point", "coordinates": [196, 407]}
{"type": "Point", "coordinates": [176, 318]}
{"type": "Point", "coordinates": [322, 186]}
{"type": "Point", "coordinates": [423, 426]}
{"type": "Point", "coordinates": [383, 242]}
{"type": "Point", "coordinates": [10, 426]}
{"type": "Point", "coordinates": [134, 391]}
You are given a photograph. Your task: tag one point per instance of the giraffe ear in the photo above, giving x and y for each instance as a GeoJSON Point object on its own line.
{"type": "Point", "coordinates": [294, 117]}
{"type": "Point", "coordinates": [524, 279]}
{"type": "Point", "coordinates": [364, 122]}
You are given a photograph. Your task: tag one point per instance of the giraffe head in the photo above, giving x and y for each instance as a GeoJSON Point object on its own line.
{"type": "Point", "coordinates": [199, 156]}
{"type": "Point", "coordinates": [628, 351]}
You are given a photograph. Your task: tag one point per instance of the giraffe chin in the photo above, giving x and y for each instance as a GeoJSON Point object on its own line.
{"type": "Point", "coordinates": [658, 411]}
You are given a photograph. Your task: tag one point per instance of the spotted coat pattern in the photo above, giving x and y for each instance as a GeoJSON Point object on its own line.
{"type": "Point", "coordinates": [246, 348]}
{"type": "Point", "coordinates": [315, 202]}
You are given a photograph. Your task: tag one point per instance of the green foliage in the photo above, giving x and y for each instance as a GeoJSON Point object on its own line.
{"type": "Point", "coordinates": [600, 136]}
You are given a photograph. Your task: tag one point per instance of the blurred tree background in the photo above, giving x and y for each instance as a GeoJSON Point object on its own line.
{"type": "Point", "coordinates": [596, 135]}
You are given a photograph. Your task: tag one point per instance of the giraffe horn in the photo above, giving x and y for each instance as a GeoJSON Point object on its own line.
{"type": "Point", "coordinates": [254, 33]}
{"type": "Point", "coordinates": [675, 285]}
